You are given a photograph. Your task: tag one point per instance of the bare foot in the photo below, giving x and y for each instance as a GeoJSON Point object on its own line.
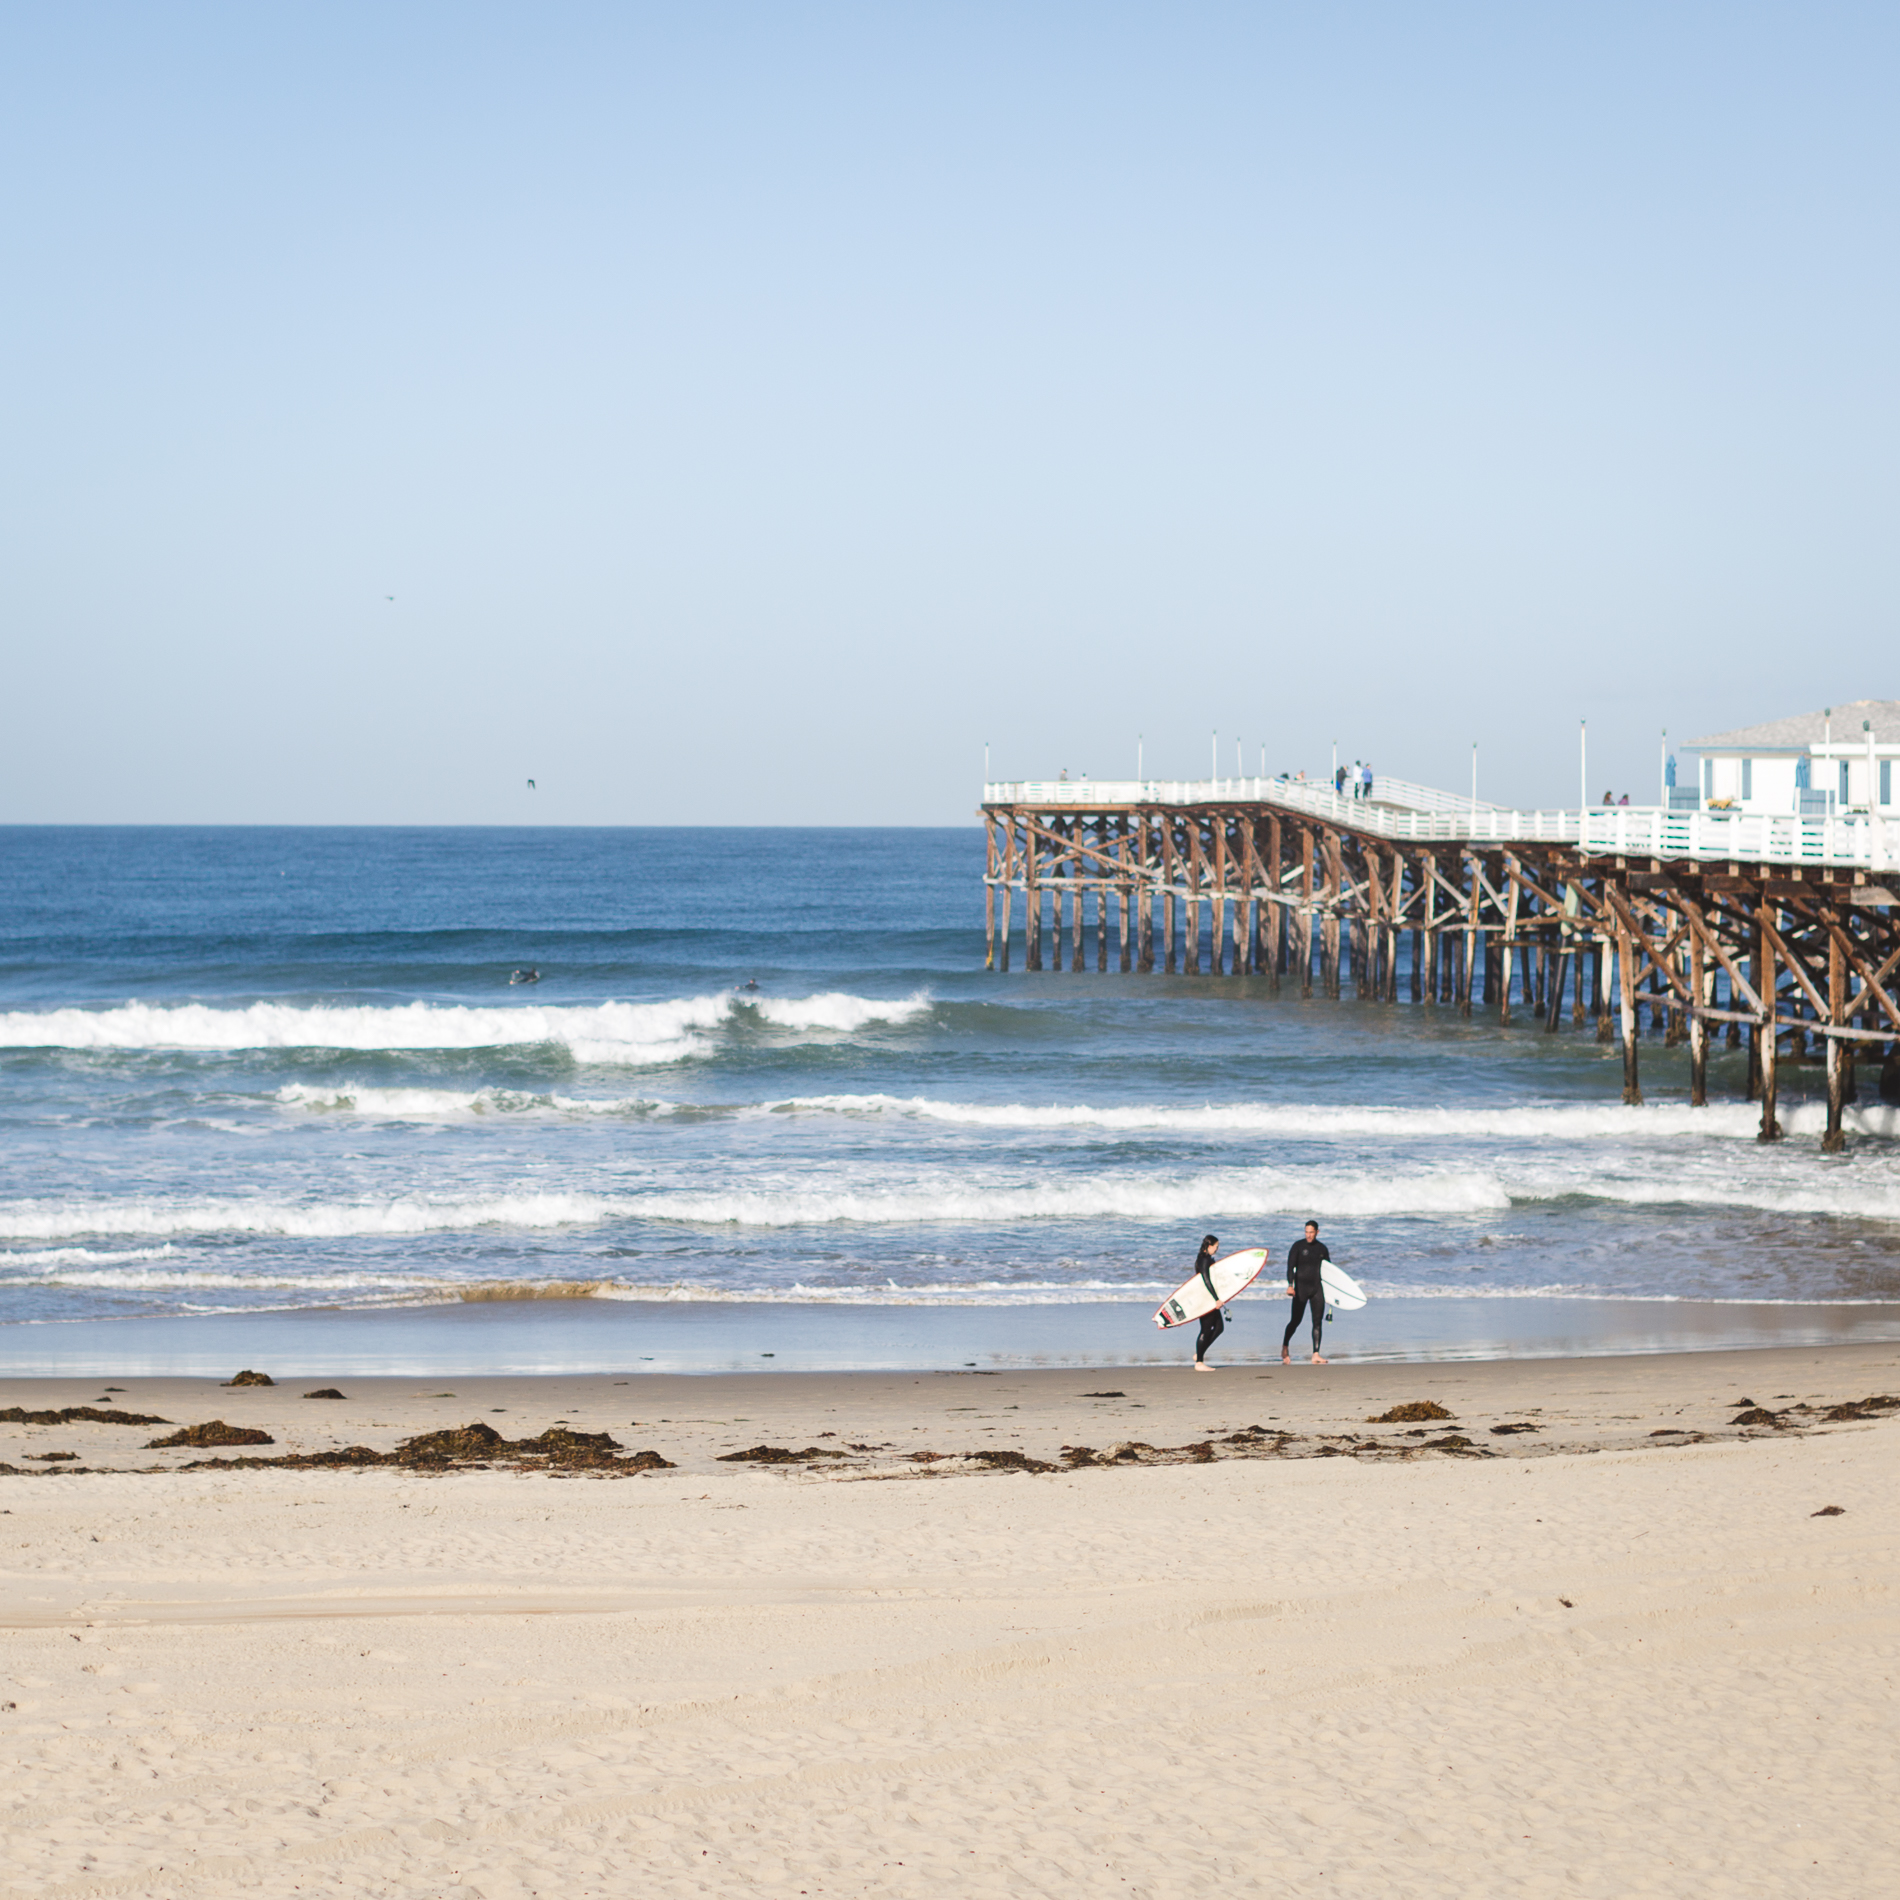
{"type": "Point", "coordinates": [1201, 1365]}
{"type": "Point", "coordinates": [1318, 1361]}
{"type": "Point", "coordinates": [1285, 1360]}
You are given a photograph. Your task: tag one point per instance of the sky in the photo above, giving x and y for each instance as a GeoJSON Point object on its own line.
{"type": "Point", "coordinates": [749, 413]}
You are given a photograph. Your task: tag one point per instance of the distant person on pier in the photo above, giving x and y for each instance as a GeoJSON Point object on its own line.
{"type": "Point", "coordinates": [1339, 781]}
{"type": "Point", "coordinates": [1609, 798]}
{"type": "Point", "coordinates": [1624, 800]}
{"type": "Point", "coordinates": [1365, 780]}
{"type": "Point", "coordinates": [1303, 1262]}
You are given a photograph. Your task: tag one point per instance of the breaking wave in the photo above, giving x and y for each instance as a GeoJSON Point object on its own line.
{"type": "Point", "coordinates": [606, 1033]}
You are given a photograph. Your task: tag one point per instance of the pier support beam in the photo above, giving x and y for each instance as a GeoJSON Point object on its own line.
{"type": "Point", "coordinates": [1834, 1140]}
{"type": "Point", "coordinates": [1559, 970]}
{"type": "Point", "coordinates": [1303, 934]}
{"type": "Point", "coordinates": [1626, 979]}
{"type": "Point", "coordinates": [1766, 1033]}
{"type": "Point", "coordinates": [1032, 908]}
{"type": "Point", "coordinates": [1699, 976]}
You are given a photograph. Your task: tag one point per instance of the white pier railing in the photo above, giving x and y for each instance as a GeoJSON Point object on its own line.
{"type": "Point", "coordinates": [1400, 811]}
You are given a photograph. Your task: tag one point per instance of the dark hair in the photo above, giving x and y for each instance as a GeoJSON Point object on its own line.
{"type": "Point", "coordinates": [1314, 1225]}
{"type": "Point", "coordinates": [1208, 1243]}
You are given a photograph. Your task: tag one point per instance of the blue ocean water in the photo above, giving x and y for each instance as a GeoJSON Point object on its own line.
{"type": "Point", "coordinates": [254, 1068]}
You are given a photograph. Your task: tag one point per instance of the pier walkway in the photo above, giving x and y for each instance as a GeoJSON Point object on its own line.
{"type": "Point", "coordinates": [1398, 809]}
{"type": "Point", "coordinates": [1785, 930]}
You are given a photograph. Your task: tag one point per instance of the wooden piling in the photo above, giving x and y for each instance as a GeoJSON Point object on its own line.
{"type": "Point", "coordinates": [1075, 899]}
{"type": "Point", "coordinates": [1304, 935]}
{"type": "Point", "coordinates": [1699, 988]}
{"type": "Point", "coordinates": [1767, 1036]}
{"type": "Point", "coordinates": [1513, 892]}
{"type": "Point", "coordinates": [1835, 1139]}
{"type": "Point", "coordinates": [1169, 871]}
{"type": "Point", "coordinates": [1559, 970]}
{"type": "Point", "coordinates": [1191, 948]}
{"type": "Point", "coordinates": [1032, 907]}
{"type": "Point", "coordinates": [1217, 901]}
{"type": "Point", "coordinates": [1472, 939]}
{"type": "Point", "coordinates": [1329, 922]}
{"type": "Point", "coordinates": [1626, 978]}
{"type": "Point", "coordinates": [1394, 909]}
{"type": "Point", "coordinates": [1145, 897]}
{"type": "Point", "coordinates": [1275, 919]}
{"type": "Point", "coordinates": [1123, 893]}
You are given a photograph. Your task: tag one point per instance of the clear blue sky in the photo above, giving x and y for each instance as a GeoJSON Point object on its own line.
{"type": "Point", "coordinates": [754, 409]}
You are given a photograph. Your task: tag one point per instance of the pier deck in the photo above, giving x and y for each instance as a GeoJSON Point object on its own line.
{"type": "Point", "coordinates": [1782, 929]}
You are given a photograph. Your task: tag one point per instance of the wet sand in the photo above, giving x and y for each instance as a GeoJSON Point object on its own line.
{"type": "Point", "coordinates": [1617, 1654]}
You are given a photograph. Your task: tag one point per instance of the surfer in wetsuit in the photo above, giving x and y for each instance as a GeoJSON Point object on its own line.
{"type": "Point", "coordinates": [1214, 1324]}
{"type": "Point", "coordinates": [1303, 1288]}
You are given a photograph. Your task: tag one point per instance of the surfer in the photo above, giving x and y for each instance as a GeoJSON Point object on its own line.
{"type": "Point", "coordinates": [526, 976]}
{"type": "Point", "coordinates": [1215, 1322]}
{"type": "Point", "coordinates": [1303, 1261]}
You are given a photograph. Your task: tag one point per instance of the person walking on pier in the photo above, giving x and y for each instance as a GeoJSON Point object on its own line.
{"type": "Point", "coordinates": [1215, 1322]}
{"type": "Point", "coordinates": [1303, 1261]}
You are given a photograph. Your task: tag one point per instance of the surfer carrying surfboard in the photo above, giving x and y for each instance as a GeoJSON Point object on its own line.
{"type": "Point", "coordinates": [1213, 1323]}
{"type": "Point", "coordinates": [1304, 1261]}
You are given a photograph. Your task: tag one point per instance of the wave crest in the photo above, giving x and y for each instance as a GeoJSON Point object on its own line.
{"type": "Point", "coordinates": [604, 1033]}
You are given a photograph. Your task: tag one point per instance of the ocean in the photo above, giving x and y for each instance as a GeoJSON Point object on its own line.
{"type": "Point", "coordinates": [256, 1079]}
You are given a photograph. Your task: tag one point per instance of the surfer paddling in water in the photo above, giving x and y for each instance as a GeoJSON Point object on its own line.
{"type": "Point", "coordinates": [1303, 1263]}
{"type": "Point", "coordinates": [1215, 1323]}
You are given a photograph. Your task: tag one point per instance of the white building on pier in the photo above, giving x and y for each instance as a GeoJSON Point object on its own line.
{"type": "Point", "coordinates": [1813, 765]}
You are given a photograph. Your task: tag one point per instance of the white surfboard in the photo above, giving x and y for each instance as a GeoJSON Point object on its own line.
{"type": "Point", "coordinates": [1190, 1300]}
{"type": "Point", "coordinates": [1342, 1290]}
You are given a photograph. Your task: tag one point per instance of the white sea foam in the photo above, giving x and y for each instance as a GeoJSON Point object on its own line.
{"type": "Point", "coordinates": [1230, 1192]}
{"type": "Point", "coordinates": [1580, 1122]}
{"type": "Point", "coordinates": [609, 1033]}
{"type": "Point", "coordinates": [965, 1199]}
{"type": "Point", "coordinates": [49, 1259]}
{"type": "Point", "coordinates": [322, 1220]}
{"type": "Point", "coordinates": [382, 1104]}
{"type": "Point", "coordinates": [1309, 1120]}
{"type": "Point", "coordinates": [186, 1280]}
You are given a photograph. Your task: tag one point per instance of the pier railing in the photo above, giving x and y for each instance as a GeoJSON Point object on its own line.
{"type": "Point", "coordinates": [1396, 810]}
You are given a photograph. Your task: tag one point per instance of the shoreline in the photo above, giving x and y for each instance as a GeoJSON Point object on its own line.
{"type": "Point", "coordinates": [854, 1425]}
{"type": "Point", "coordinates": [708, 1338]}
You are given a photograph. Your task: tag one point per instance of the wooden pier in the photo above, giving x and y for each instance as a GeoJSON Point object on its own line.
{"type": "Point", "coordinates": [1781, 931]}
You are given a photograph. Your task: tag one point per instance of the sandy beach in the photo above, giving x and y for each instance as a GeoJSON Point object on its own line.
{"type": "Point", "coordinates": [1619, 1653]}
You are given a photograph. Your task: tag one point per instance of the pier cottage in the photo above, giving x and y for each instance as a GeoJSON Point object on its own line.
{"type": "Point", "coordinates": [1812, 765]}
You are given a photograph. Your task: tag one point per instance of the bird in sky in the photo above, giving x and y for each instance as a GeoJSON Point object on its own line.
{"type": "Point", "coordinates": [531, 785]}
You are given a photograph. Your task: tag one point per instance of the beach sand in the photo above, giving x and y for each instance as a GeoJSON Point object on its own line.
{"type": "Point", "coordinates": [1616, 1655]}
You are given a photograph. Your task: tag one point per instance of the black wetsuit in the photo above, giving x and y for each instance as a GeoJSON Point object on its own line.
{"type": "Point", "coordinates": [1214, 1324]}
{"type": "Point", "coordinates": [1302, 1275]}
